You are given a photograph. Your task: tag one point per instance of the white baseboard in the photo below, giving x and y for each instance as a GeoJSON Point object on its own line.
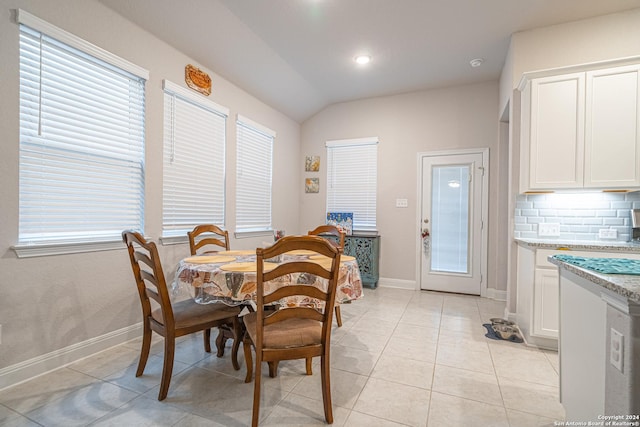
{"type": "Point", "coordinates": [23, 371]}
{"type": "Point", "coordinates": [386, 282]}
{"type": "Point", "coordinates": [496, 294]}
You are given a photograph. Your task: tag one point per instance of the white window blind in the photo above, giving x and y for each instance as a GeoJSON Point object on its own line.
{"type": "Point", "coordinates": [253, 183]}
{"type": "Point", "coordinates": [194, 161]}
{"type": "Point", "coordinates": [352, 180]}
{"type": "Point", "coordinates": [81, 140]}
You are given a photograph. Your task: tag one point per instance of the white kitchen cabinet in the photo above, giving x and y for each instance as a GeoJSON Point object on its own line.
{"type": "Point", "coordinates": [544, 319]}
{"type": "Point", "coordinates": [580, 130]}
{"type": "Point", "coordinates": [545, 303]}
{"type": "Point", "coordinates": [557, 132]}
{"type": "Point", "coordinates": [537, 309]}
{"type": "Point", "coordinates": [612, 142]}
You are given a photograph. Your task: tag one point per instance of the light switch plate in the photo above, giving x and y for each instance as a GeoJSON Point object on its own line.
{"type": "Point", "coordinates": [402, 203]}
{"type": "Point", "coordinates": [548, 229]}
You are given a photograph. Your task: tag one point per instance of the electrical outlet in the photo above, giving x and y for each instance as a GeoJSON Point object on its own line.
{"type": "Point", "coordinates": [402, 203]}
{"type": "Point", "coordinates": [616, 349]}
{"type": "Point", "coordinates": [548, 229]}
{"type": "Point", "coordinates": [606, 233]}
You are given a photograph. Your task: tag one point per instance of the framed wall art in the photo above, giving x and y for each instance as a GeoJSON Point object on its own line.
{"type": "Point", "coordinates": [312, 185]}
{"type": "Point", "coordinates": [197, 79]}
{"type": "Point", "coordinates": [312, 163]}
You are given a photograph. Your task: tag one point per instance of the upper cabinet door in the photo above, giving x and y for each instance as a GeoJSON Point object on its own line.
{"type": "Point", "coordinates": [612, 142]}
{"type": "Point", "coordinates": [556, 147]}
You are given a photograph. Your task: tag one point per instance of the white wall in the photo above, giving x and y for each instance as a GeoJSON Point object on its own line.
{"type": "Point", "coordinates": [443, 119]}
{"type": "Point", "coordinates": [49, 303]}
{"type": "Point", "coordinates": [580, 42]}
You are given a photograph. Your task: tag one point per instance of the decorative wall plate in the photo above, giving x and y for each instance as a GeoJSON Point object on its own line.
{"type": "Point", "coordinates": [197, 79]}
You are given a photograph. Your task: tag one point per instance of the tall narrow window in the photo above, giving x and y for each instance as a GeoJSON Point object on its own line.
{"type": "Point", "coordinates": [194, 161]}
{"type": "Point", "coordinates": [81, 139]}
{"type": "Point", "coordinates": [253, 182]}
{"type": "Point", "coordinates": [352, 180]}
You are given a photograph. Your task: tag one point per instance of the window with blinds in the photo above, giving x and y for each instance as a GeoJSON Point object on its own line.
{"type": "Point", "coordinates": [352, 180]}
{"type": "Point", "coordinates": [253, 181]}
{"type": "Point", "coordinates": [194, 161]}
{"type": "Point", "coordinates": [81, 139]}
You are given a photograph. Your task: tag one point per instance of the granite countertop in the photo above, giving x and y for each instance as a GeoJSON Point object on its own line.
{"type": "Point", "coordinates": [584, 245]}
{"type": "Point", "coordinates": [627, 286]}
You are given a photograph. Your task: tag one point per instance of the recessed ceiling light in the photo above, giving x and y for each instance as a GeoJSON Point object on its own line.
{"type": "Point", "coordinates": [362, 59]}
{"type": "Point", "coordinates": [476, 62]}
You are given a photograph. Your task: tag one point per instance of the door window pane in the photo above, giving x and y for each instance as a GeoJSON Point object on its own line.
{"type": "Point", "coordinates": [450, 219]}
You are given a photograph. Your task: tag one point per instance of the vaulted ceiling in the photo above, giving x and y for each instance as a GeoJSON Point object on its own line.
{"type": "Point", "coordinates": [298, 55]}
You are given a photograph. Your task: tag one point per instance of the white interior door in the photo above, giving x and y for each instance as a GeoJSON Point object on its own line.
{"type": "Point", "coordinates": [452, 214]}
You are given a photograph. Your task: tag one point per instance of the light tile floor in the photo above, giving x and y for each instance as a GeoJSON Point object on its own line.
{"type": "Point", "coordinates": [402, 358]}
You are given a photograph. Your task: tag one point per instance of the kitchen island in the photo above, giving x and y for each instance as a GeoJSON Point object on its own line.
{"type": "Point", "coordinates": [599, 342]}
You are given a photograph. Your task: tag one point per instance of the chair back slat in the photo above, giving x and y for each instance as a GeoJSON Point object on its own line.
{"type": "Point", "coordinates": [296, 267]}
{"type": "Point", "coordinates": [292, 290]}
{"type": "Point", "coordinates": [297, 312]}
{"type": "Point", "coordinates": [144, 258]}
{"type": "Point", "coordinates": [206, 235]}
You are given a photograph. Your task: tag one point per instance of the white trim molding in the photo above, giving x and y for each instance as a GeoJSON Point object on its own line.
{"type": "Point", "coordinates": [32, 21]}
{"type": "Point", "coordinates": [23, 371]}
{"type": "Point", "coordinates": [255, 125]}
{"type": "Point", "coordinates": [496, 294]}
{"type": "Point", "coordinates": [30, 251]}
{"type": "Point", "coordinates": [387, 282]}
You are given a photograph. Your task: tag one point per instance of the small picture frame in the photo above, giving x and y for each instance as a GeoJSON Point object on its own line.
{"type": "Point", "coordinates": [312, 163]}
{"type": "Point", "coordinates": [312, 185]}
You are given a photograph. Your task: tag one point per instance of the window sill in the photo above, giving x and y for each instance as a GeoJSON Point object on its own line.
{"type": "Point", "coordinates": [254, 233]}
{"type": "Point", "coordinates": [37, 250]}
{"type": "Point", "coordinates": [173, 240]}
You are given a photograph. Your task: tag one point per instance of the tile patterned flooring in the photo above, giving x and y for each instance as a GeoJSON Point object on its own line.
{"type": "Point", "coordinates": [402, 358]}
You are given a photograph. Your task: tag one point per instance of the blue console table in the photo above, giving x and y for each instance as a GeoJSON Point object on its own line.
{"type": "Point", "coordinates": [366, 249]}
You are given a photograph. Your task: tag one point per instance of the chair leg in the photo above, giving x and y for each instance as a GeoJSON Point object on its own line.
{"type": "Point", "coordinates": [220, 341]}
{"type": "Point", "coordinates": [247, 357]}
{"type": "Point", "coordinates": [237, 337]}
{"type": "Point", "coordinates": [146, 346]}
{"type": "Point", "coordinates": [338, 316]}
{"type": "Point", "coordinates": [273, 369]}
{"type": "Point", "coordinates": [326, 388]}
{"type": "Point", "coordinates": [206, 335]}
{"type": "Point", "coordinates": [256, 391]}
{"type": "Point", "coordinates": [167, 368]}
{"type": "Point", "coordinates": [308, 365]}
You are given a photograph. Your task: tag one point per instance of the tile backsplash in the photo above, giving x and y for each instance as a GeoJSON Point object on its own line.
{"type": "Point", "coordinates": [580, 215]}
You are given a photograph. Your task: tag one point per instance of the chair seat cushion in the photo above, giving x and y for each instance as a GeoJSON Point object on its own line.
{"type": "Point", "coordinates": [289, 333]}
{"type": "Point", "coordinates": [189, 313]}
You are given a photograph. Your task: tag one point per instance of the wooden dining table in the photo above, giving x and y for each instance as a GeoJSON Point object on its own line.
{"type": "Point", "coordinates": [230, 277]}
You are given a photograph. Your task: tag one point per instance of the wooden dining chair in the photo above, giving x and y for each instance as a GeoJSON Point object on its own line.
{"type": "Point", "coordinates": [332, 230]}
{"type": "Point", "coordinates": [213, 235]}
{"type": "Point", "coordinates": [295, 331]}
{"type": "Point", "coordinates": [172, 320]}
